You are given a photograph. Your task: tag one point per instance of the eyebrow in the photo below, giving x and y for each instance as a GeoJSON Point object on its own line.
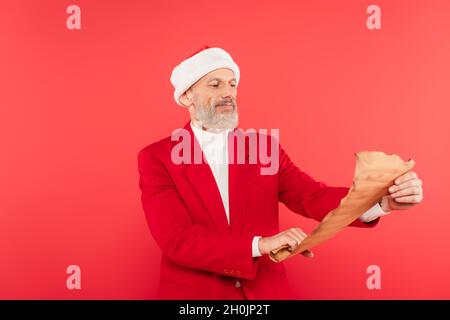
{"type": "Point", "coordinates": [220, 80]}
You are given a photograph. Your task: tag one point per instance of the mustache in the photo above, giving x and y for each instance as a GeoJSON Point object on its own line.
{"type": "Point", "coordinates": [225, 102]}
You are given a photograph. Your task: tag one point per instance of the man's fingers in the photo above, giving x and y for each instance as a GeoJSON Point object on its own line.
{"type": "Point", "coordinates": [291, 237]}
{"type": "Point", "coordinates": [297, 233]}
{"type": "Point", "coordinates": [406, 184]}
{"type": "Point", "coordinates": [410, 191]}
{"type": "Point", "coordinates": [407, 176]}
{"type": "Point", "coordinates": [289, 240]}
{"type": "Point", "coordinates": [300, 233]}
{"type": "Point", "coordinates": [294, 237]}
{"type": "Point", "coordinates": [409, 199]}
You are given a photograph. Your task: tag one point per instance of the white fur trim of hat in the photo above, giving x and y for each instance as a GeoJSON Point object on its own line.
{"type": "Point", "coordinates": [198, 65]}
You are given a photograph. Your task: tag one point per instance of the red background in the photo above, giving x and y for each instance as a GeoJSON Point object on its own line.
{"type": "Point", "coordinates": [77, 106]}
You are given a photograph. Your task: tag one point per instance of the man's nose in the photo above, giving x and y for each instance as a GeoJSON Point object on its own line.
{"type": "Point", "coordinates": [228, 93]}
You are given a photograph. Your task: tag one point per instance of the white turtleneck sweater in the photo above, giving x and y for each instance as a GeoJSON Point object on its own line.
{"type": "Point", "coordinates": [215, 148]}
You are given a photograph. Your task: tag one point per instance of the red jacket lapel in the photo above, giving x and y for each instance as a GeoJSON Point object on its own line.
{"type": "Point", "coordinates": [202, 179]}
{"type": "Point", "coordinates": [240, 178]}
{"type": "Point", "coordinates": [239, 182]}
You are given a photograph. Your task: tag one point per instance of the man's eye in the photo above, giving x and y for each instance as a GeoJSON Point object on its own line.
{"type": "Point", "coordinates": [214, 85]}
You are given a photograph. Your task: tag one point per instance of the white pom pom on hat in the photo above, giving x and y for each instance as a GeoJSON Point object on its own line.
{"type": "Point", "coordinates": [196, 66]}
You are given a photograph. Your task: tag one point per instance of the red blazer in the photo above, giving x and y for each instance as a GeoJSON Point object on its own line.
{"type": "Point", "coordinates": [202, 256]}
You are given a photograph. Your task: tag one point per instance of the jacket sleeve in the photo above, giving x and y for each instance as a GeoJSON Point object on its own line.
{"type": "Point", "coordinates": [180, 240]}
{"type": "Point", "coordinates": [308, 197]}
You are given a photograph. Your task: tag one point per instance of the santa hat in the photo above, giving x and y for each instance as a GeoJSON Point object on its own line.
{"type": "Point", "coordinates": [199, 64]}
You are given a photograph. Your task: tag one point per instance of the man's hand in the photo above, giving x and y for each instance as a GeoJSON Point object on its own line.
{"type": "Point", "coordinates": [404, 194]}
{"type": "Point", "coordinates": [292, 237]}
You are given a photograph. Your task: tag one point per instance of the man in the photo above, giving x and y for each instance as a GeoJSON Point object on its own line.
{"type": "Point", "coordinates": [217, 220]}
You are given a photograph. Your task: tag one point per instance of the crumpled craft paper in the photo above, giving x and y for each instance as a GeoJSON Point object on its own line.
{"type": "Point", "coordinates": [375, 172]}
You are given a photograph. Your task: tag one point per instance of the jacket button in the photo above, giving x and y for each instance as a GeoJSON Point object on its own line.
{"type": "Point", "coordinates": [238, 273]}
{"type": "Point", "coordinates": [231, 271]}
{"type": "Point", "coordinates": [225, 271]}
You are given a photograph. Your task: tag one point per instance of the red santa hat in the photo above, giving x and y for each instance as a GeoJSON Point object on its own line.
{"type": "Point", "coordinates": [199, 64]}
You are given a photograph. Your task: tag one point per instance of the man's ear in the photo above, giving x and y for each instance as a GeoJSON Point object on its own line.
{"type": "Point", "coordinates": [186, 98]}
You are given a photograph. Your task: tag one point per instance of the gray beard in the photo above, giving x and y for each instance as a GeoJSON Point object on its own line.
{"type": "Point", "coordinates": [210, 119]}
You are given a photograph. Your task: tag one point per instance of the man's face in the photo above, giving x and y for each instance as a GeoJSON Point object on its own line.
{"type": "Point", "coordinates": [213, 100]}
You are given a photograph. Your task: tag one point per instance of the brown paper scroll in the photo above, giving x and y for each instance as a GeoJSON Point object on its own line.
{"type": "Point", "coordinates": [375, 172]}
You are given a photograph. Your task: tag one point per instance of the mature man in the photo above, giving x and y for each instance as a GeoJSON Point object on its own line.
{"type": "Point", "coordinates": [217, 220]}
